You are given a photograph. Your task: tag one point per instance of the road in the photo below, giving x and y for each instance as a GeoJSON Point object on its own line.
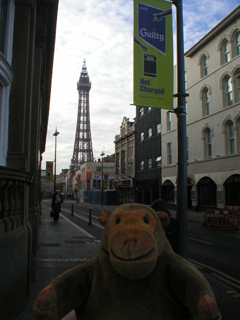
{"type": "Point", "coordinates": [215, 252]}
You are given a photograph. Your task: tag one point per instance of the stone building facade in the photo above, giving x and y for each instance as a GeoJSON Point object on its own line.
{"type": "Point", "coordinates": [27, 39]}
{"type": "Point", "coordinates": [124, 181]}
{"type": "Point", "coordinates": [213, 121]}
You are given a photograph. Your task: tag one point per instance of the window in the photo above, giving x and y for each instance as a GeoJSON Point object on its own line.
{"type": "Point", "coordinates": [227, 91]}
{"type": "Point", "coordinates": [97, 184]}
{"type": "Point", "coordinates": [117, 163]}
{"type": "Point", "coordinates": [169, 123]}
{"type": "Point", "coordinates": [6, 74]}
{"type": "Point", "coordinates": [205, 102]}
{"type": "Point", "coordinates": [207, 144]}
{"type": "Point", "coordinates": [149, 163]}
{"type": "Point", "coordinates": [123, 162]}
{"type": "Point", "coordinates": [204, 66]}
{"type": "Point", "coordinates": [237, 86]}
{"type": "Point", "coordinates": [141, 136]}
{"type": "Point", "coordinates": [141, 112]}
{"type": "Point", "coordinates": [3, 23]}
{"type": "Point", "coordinates": [236, 44]}
{"type": "Point", "coordinates": [141, 165]}
{"type": "Point", "coordinates": [230, 138]}
{"type": "Point", "coordinates": [158, 128]}
{"type": "Point", "coordinates": [158, 161]}
{"type": "Point", "coordinates": [238, 135]}
{"type": "Point", "coordinates": [149, 132]}
{"type": "Point", "coordinates": [225, 51]}
{"type": "Point", "coordinates": [169, 153]}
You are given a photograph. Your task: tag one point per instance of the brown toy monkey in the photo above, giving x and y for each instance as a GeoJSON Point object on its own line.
{"type": "Point", "coordinates": [135, 275]}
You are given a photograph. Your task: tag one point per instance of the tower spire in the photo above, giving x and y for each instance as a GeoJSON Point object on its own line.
{"type": "Point", "coordinates": [82, 151]}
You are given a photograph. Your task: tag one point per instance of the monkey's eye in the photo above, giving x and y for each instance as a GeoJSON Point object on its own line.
{"type": "Point", "coordinates": [146, 220]}
{"type": "Point", "coordinates": [118, 220]}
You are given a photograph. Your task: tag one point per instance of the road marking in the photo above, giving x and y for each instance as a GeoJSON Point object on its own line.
{"type": "Point", "coordinates": [202, 241]}
{"type": "Point", "coordinates": [79, 228]}
{"type": "Point", "coordinates": [95, 224]}
{"type": "Point", "coordinates": [225, 280]}
{"type": "Point", "coordinates": [234, 294]}
{"type": "Point", "coordinates": [85, 219]}
{"type": "Point", "coordinates": [224, 277]}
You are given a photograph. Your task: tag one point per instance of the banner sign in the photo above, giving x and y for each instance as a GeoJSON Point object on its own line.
{"type": "Point", "coordinates": [153, 54]}
{"type": "Point", "coordinates": [49, 171]}
{"type": "Point", "coordinates": [88, 175]}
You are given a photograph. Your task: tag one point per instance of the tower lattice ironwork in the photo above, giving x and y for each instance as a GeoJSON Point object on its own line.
{"type": "Point", "coordinates": [83, 142]}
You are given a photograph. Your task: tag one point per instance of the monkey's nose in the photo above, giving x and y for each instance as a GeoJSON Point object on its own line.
{"type": "Point", "coordinates": [130, 246]}
{"type": "Point", "coordinates": [130, 242]}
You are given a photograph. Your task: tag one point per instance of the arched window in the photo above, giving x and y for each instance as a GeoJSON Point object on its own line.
{"type": "Point", "coordinates": [225, 51]}
{"type": "Point", "coordinates": [207, 192]}
{"type": "Point", "coordinates": [207, 144]}
{"type": "Point", "coordinates": [232, 190]}
{"type": "Point", "coordinates": [238, 134]}
{"type": "Point", "coordinates": [205, 102]}
{"type": "Point", "coordinates": [168, 191]}
{"type": "Point", "coordinates": [236, 44]}
{"type": "Point", "coordinates": [236, 81]}
{"type": "Point", "coordinates": [227, 91]}
{"type": "Point", "coordinates": [230, 137]}
{"type": "Point", "coordinates": [204, 66]}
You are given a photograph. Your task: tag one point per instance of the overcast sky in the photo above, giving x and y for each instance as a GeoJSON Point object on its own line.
{"type": "Point", "coordinates": [101, 31]}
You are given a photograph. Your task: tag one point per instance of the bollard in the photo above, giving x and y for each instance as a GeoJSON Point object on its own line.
{"type": "Point", "coordinates": [72, 210]}
{"type": "Point", "coordinates": [90, 217]}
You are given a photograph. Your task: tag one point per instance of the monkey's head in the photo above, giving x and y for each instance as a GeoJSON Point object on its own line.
{"type": "Point", "coordinates": [133, 238]}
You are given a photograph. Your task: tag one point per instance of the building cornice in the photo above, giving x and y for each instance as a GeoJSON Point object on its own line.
{"type": "Point", "coordinates": [216, 30]}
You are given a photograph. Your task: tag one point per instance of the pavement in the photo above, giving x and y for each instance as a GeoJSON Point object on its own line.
{"type": "Point", "coordinates": [64, 245]}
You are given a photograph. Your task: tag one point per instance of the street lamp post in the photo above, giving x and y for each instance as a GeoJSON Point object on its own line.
{"type": "Point", "coordinates": [55, 134]}
{"type": "Point", "coordinates": [182, 133]}
{"type": "Point", "coordinates": [102, 154]}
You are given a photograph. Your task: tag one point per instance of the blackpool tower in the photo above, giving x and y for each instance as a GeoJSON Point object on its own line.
{"type": "Point", "coordinates": [82, 151]}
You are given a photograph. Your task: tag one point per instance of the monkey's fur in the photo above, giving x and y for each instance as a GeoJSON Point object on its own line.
{"type": "Point", "coordinates": [135, 275]}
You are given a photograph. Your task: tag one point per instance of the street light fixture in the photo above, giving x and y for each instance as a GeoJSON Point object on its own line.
{"type": "Point", "coordinates": [102, 154]}
{"type": "Point", "coordinates": [55, 134]}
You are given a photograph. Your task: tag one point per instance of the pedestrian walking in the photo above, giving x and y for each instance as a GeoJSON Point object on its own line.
{"type": "Point", "coordinates": [56, 205]}
{"type": "Point", "coordinates": [173, 230]}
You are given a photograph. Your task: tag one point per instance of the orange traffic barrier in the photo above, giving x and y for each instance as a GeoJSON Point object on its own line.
{"type": "Point", "coordinates": [229, 219]}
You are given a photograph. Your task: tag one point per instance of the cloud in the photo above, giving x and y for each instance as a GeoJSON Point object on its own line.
{"type": "Point", "coordinates": [101, 31]}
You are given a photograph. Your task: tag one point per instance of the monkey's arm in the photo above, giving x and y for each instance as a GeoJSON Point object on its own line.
{"type": "Point", "coordinates": [66, 292]}
{"type": "Point", "coordinates": [192, 289]}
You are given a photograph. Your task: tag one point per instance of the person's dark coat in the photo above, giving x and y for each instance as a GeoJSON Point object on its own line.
{"type": "Point", "coordinates": [56, 202]}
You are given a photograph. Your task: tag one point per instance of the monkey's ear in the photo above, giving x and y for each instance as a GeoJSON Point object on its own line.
{"type": "Point", "coordinates": [104, 216]}
{"type": "Point", "coordinates": [164, 218]}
